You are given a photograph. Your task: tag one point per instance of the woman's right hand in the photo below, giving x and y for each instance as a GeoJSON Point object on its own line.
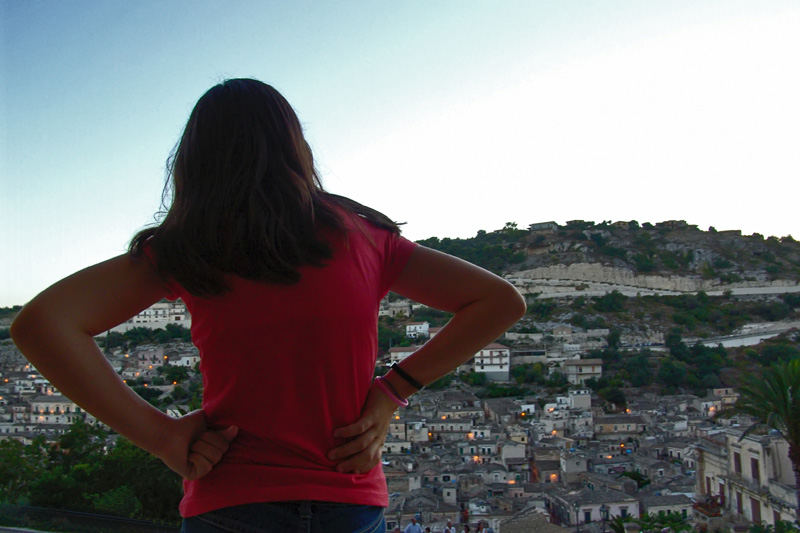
{"type": "Point", "coordinates": [191, 449]}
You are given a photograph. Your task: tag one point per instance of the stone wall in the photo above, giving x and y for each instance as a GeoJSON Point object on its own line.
{"type": "Point", "coordinates": [598, 273]}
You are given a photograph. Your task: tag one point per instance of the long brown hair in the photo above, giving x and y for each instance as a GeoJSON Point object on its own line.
{"type": "Point", "coordinates": [246, 198]}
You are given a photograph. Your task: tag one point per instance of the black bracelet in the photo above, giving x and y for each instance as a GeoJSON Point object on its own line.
{"type": "Point", "coordinates": [403, 374]}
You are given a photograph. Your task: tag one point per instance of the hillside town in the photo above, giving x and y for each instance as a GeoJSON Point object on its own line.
{"type": "Point", "coordinates": [566, 462]}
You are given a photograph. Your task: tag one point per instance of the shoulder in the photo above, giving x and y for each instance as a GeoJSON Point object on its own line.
{"type": "Point", "coordinates": [366, 232]}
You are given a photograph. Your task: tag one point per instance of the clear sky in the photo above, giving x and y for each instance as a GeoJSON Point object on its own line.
{"type": "Point", "coordinates": [452, 116]}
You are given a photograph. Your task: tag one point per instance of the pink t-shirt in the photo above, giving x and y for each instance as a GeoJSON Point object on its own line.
{"type": "Point", "coordinates": [288, 364]}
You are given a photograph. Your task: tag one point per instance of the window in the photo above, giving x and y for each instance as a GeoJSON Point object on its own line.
{"type": "Point", "coordinates": [623, 512]}
{"type": "Point", "coordinates": [755, 510]}
{"type": "Point", "coordinates": [754, 471]}
{"type": "Point", "coordinates": [737, 462]}
{"type": "Point", "coordinates": [739, 502]}
{"type": "Point", "coordinates": [587, 516]}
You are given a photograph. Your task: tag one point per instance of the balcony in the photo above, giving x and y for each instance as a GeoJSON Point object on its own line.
{"type": "Point", "coordinates": [709, 507]}
{"type": "Point", "coordinates": [746, 483]}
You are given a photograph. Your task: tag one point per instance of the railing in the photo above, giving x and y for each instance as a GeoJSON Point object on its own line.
{"type": "Point", "coordinates": [750, 484]}
{"type": "Point", "coordinates": [65, 520]}
{"type": "Point", "coordinates": [710, 507]}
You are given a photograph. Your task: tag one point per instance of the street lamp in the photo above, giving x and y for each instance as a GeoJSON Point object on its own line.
{"type": "Point", "coordinates": [604, 515]}
{"type": "Point", "coordinates": [577, 508]}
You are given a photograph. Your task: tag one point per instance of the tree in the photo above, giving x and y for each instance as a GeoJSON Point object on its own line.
{"type": "Point", "coordinates": [611, 302]}
{"type": "Point", "coordinates": [149, 482]}
{"type": "Point", "coordinates": [676, 346]}
{"type": "Point", "coordinates": [529, 373]}
{"type": "Point", "coordinates": [781, 526]}
{"type": "Point", "coordinates": [82, 443]}
{"type": "Point", "coordinates": [476, 379]}
{"type": "Point", "coordinates": [641, 371]}
{"type": "Point", "coordinates": [613, 395]}
{"type": "Point", "coordinates": [613, 339]}
{"type": "Point", "coordinates": [118, 501]}
{"type": "Point", "coordinates": [174, 372]}
{"type": "Point", "coordinates": [774, 400]}
{"type": "Point", "coordinates": [672, 373]}
{"type": "Point", "coordinates": [16, 473]}
{"type": "Point", "coordinates": [653, 522]}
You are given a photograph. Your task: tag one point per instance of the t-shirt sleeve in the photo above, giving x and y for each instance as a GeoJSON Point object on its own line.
{"type": "Point", "coordinates": [172, 288]}
{"type": "Point", "coordinates": [397, 250]}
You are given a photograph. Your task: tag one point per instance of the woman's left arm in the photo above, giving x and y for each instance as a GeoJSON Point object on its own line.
{"type": "Point", "coordinates": [56, 330]}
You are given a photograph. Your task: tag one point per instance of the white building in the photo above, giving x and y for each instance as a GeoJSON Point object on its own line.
{"type": "Point", "coordinates": [578, 371]}
{"type": "Point", "coordinates": [158, 316]}
{"type": "Point", "coordinates": [186, 360]}
{"type": "Point", "coordinates": [416, 330]}
{"type": "Point", "coordinates": [495, 361]}
{"type": "Point", "coordinates": [580, 399]}
{"type": "Point", "coordinates": [54, 409]}
{"type": "Point", "coordinates": [398, 353]}
{"type": "Point", "coordinates": [400, 307]}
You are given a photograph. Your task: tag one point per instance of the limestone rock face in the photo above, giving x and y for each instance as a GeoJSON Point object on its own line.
{"type": "Point", "coordinates": [599, 273]}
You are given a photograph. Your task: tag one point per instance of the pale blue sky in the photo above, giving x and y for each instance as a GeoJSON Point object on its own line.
{"type": "Point", "coordinates": [451, 116]}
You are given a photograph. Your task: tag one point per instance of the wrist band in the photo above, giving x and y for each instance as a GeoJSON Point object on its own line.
{"type": "Point", "coordinates": [384, 386]}
{"type": "Point", "coordinates": [391, 387]}
{"type": "Point", "coordinates": [403, 374]}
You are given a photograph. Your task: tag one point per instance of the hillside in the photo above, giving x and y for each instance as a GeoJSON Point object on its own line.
{"type": "Point", "coordinates": [640, 279]}
{"type": "Point", "coordinates": [667, 249]}
{"type": "Point", "coordinates": [656, 287]}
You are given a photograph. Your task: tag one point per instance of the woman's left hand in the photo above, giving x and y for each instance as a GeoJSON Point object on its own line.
{"type": "Point", "coordinates": [367, 435]}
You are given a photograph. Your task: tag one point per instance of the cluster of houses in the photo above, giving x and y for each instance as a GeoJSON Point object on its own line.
{"type": "Point", "coordinates": [564, 460]}
{"type": "Point", "coordinates": [516, 463]}
{"type": "Point", "coordinates": [453, 456]}
{"type": "Point", "coordinates": [31, 406]}
{"type": "Point", "coordinates": [494, 360]}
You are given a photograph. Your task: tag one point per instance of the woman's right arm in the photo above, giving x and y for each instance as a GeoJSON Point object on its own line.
{"type": "Point", "coordinates": [483, 306]}
{"type": "Point", "coordinates": [56, 330]}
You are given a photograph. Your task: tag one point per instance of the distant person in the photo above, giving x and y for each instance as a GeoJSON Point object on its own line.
{"type": "Point", "coordinates": [413, 527]}
{"type": "Point", "coordinates": [283, 281]}
{"type": "Point", "coordinates": [483, 527]}
{"type": "Point", "coordinates": [450, 528]}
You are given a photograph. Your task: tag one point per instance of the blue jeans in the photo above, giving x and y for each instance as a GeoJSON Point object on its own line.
{"type": "Point", "coordinates": [289, 517]}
